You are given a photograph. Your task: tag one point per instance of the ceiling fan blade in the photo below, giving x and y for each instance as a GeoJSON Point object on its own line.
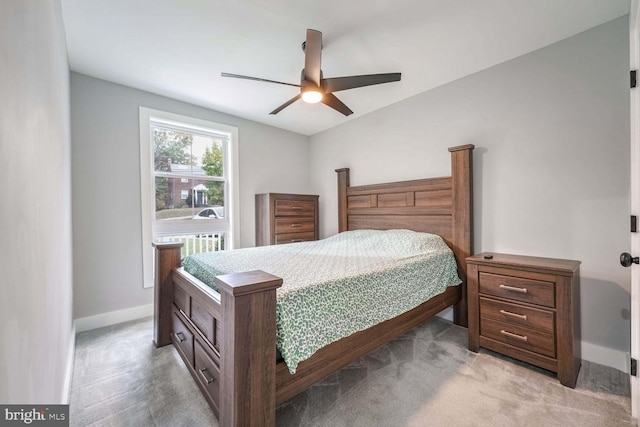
{"type": "Point", "coordinates": [343, 83]}
{"type": "Point", "coordinates": [312, 56]}
{"type": "Point", "coordinates": [238, 76]}
{"type": "Point", "coordinates": [332, 101]}
{"type": "Point", "coordinates": [286, 104]}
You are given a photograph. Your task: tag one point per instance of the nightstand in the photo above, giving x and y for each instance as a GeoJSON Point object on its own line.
{"type": "Point", "coordinates": [527, 308]}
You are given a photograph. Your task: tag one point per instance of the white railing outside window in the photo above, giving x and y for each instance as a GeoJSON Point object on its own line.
{"type": "Point", "coordinates": [198, 243]}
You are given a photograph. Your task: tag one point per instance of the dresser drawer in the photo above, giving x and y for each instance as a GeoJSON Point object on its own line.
{"type": "Point", "coordinates": [295, 225]}
{"type": "Point", "coordinates": [208, 374]}
{"type": "Point", "coordinates": [518, 288]}
{"type": "Point", "coordinates": [519, 337]}
{"type": "Point", "coordinates": [518, 315]}
{"type": "Point", "coordinates": [294, 237]}
{"type": "Point", "coordinates": [182, 338]}
{"type": "Point", "coordinates": [294, 208]}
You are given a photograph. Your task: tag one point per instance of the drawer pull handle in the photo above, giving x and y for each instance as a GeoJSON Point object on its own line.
{"type": "Point", "coordinates": [516, 336]}
{"type": "Point", "coordinates": [514, 289]}
{"type": "Point", "coordinates": [296, 208]}
{"type": "Point", "coordinates": [180, 336]}
{"type": "Point", "coordinates": [296, 225]}
{"type": "Point", "coordinates": [209, 379]}
{"type": "Point", "coordinates": [519, 316]}
{"type": "Point", "coordinates": [296, 240]}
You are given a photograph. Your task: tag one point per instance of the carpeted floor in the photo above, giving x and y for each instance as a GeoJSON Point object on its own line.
{"type": "Point", "coordinates": [428, 377]}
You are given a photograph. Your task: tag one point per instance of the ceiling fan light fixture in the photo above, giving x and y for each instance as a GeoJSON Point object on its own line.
{"type": "Point", "coordinates": [312, 96]}
{"type": "Point", "coordinates": [313, 87]}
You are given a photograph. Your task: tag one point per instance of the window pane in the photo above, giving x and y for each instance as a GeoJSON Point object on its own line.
{"type": "Point", "coordinates": [172, 151]}
{"type": "Point", "coordinates": [214, 193]}
{"type": "Point", "coordinates": [207, 154]}
{"type": "Point", "coordinates": [194, 199]}
{"type": "Point", "coordinates": [170, 203]}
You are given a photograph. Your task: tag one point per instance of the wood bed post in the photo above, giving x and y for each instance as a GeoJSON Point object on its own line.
{"type": "Point", "coordinates": [343, 183]}
{"type": "Point", "coordinates": [462, 219]}
{"type": "Point", "coordinates": [167, 257]}
{"type": "Point", "coordinates": [248, 368]}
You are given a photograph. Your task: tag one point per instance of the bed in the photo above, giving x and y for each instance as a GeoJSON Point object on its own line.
{"type": "Point", "coordinates": [226, 331]}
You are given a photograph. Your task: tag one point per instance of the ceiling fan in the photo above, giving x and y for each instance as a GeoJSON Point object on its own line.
{"type": "Point", "coordinates": [313, 87]}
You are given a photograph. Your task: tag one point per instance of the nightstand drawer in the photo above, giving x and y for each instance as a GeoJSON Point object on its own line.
{"type": "Point", "coordinates": [518, 288]}
{"type": "Point", "coordinates": [519, 337]}
{"type": "Point", "coordinates": [295, 225]}
{"type": "Point", "coordinates": [294, 208]}
{"type": "Point", "coordinates": [518, 315]}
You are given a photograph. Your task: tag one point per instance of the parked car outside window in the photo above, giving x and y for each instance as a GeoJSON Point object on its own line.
{"type": "Point", "coordinates": [212, 212]}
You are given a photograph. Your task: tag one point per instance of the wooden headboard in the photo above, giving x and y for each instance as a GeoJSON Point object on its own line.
{"type": "Point", "coordinates": [442, 206]}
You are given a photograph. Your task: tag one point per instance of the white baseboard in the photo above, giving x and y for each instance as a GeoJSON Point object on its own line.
{"type": "Point", "coordinates": [113, 317]}
{"type": "Point", "coordinates": [617, 359]}
{"type": "Point", "coordinates": [71, 352]}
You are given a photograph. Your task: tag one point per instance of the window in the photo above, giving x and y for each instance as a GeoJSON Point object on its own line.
{"type": "Point", "coordinates": [188, 174]}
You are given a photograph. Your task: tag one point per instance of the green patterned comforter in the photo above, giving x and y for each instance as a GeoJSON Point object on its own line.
{"type": "Point", "coordinates": [340, 285]}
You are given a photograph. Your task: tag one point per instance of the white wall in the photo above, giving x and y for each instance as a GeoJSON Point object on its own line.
{"type": "Point", "coordinates": [551, 177]}
{"type": "Point", "coordinates": [106, 186]}
{"type": "Point", "coordinates": [35, 212]}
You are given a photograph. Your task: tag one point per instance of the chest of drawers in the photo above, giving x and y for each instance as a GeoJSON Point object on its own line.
{"type": "Point", "coordinates": [286, 218]}
{"type": "Point", "coordinates": [527, 308]}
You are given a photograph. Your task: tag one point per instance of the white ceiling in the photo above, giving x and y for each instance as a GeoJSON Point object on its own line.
{"type": "Point", "coordinates": [178, 48]}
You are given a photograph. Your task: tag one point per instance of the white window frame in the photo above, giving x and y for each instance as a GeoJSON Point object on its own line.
{"type": "Point", "coordinates": [184, 193]}
{"type": "Point", "coordinates": [232, 237]}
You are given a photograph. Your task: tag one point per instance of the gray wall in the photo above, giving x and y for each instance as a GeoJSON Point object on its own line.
{"type": "Point", "coordinates": [35, 213]}
{"type": "Point", "coordinates": [551, 177]}
{"type": "Point", "coordinates": [106, 186]}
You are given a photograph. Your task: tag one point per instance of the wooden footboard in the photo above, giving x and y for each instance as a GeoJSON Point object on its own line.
{"type": "Point", "coordinates": [227, 339]}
